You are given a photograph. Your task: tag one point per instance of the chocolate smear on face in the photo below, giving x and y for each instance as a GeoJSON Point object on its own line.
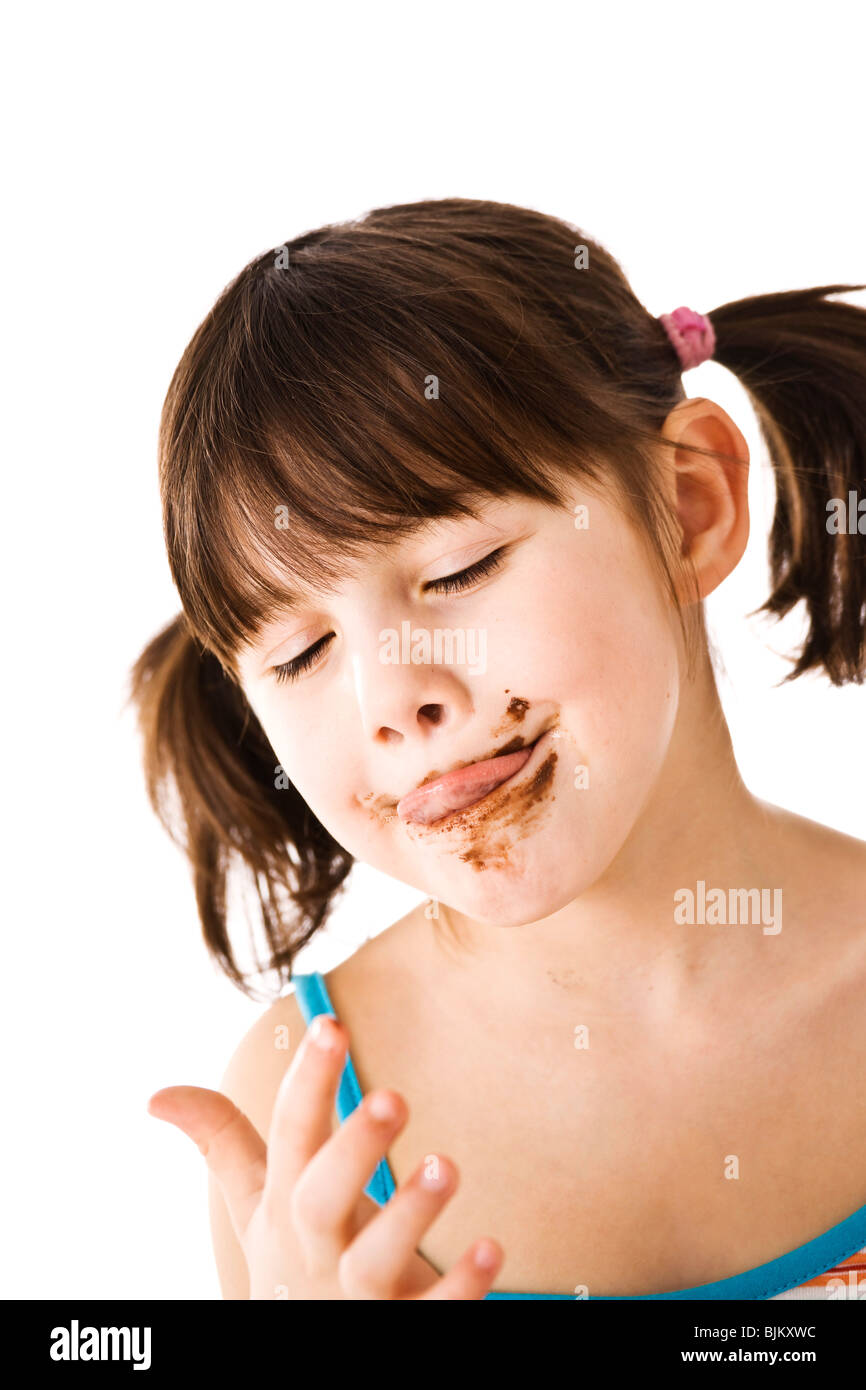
{"type": "Point", "coordinates": [493, 825]}
{"type": "Point", "coordinates": [514, 714]}
{"type": "Point", "coordinates": [493, 829]}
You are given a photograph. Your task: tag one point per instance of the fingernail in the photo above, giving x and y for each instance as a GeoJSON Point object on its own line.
{"type": "Point", "coordinates": [323, 1034]}
{"type": "Point", "coordinates": [382, 1107]}
{"type": "Point", "coordinates": [486, 1255]}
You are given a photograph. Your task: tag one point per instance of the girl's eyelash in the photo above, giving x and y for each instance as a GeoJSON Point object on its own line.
{"type": "Point", "coordinates": [448, 584]}
{"type": "Point", "coordinates": [290, 670]}
{"type": "Point", "coordinates": [451, 583]}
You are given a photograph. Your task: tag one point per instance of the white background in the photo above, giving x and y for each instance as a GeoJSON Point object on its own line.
{"type": "Point", "coordinates": [717, 151]}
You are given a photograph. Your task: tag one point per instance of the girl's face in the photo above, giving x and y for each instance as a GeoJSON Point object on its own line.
{"type": "Point", "coordinates": [564, 641]}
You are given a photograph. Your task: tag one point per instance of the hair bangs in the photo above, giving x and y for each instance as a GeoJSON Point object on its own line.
{"type": "Point", "coordinates": [310, 423]}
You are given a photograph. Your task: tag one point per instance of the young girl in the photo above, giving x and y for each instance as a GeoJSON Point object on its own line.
{"type": "Point", "coordinates": [442, 518]}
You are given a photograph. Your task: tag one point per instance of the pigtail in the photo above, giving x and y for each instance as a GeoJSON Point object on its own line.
{"type": "Point", "coordinates": [214, 783]}
{"type": "Point", "coordinates": [802, 359]}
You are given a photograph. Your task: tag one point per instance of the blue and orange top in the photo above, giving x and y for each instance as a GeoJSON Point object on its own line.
{"type": "Point", "coordinates": [833, 1265]}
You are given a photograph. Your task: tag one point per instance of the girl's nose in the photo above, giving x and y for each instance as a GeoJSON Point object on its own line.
{"type": "Point", "coordinates": [404, 701]}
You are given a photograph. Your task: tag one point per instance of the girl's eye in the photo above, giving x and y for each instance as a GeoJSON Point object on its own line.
{"type": "Point", "coordinates": [452, 583]}
{"type": "Point", "coordinates": [449, 584]}
{"type": "Point", "coordinates": [290, 670]}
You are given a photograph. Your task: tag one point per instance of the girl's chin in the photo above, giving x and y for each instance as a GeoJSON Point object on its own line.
{"type": "Point", "coordinates": [492, 911]}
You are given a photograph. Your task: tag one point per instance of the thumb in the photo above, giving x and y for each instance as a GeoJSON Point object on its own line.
{"type": "Point", "coordinates": [233, 1149]}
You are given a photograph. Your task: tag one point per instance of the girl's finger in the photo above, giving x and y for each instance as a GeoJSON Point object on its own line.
{"type": "Point", "coordinates": [301, 1121]}
{"type": "Point", "coordinates": [328, 1201]}
{"type": "Point", "coordinates": [232, 1146]}
{"type": "Point", "coordinates": [378, 1262]}
{"type": "Point", "coordinates": [469, 1279]}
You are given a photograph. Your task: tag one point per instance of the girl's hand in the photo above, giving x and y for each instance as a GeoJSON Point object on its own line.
{"type": "Point", "coordinates": [298, 1207]}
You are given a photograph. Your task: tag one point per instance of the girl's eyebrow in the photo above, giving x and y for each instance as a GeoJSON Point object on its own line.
{"type": "Point", "coordinates": [293, 600]}
{"type": "Point", "coordinates": [289, 605]}
{"type": "Point", "coordinates": [276, 615]}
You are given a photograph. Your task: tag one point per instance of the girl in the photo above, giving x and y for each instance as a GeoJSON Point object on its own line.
{"type": "Point", "coordinates": [442, 518]}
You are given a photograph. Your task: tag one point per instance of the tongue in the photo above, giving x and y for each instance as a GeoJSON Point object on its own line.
{"type": "Point", "coordinates": [457, 790]}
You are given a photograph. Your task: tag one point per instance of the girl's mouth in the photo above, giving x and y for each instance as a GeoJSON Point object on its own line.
{"type": "Point", "coordinates": [456, 791]}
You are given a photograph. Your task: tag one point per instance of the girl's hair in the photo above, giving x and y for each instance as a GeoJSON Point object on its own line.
{"type": "Point", "coordinates": [375, 374]}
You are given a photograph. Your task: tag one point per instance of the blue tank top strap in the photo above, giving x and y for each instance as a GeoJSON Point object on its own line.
{"type": "Point", "coordinates": [313, 999]}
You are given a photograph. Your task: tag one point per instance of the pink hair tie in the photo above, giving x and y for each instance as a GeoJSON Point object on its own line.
{"type": "Point", "coordinates": [691, 334]}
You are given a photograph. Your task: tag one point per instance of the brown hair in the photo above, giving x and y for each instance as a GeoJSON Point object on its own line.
{"type": "Point", "coordinates": [302, 395]}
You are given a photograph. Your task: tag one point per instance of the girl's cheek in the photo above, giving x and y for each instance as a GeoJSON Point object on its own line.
{"type": "Point", "coordinates": [619, 690]}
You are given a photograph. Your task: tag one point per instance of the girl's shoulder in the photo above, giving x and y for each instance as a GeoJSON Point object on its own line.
{"type": "Point", "coordinates": [265, 1051]}
{"type": "Point", "coordinates": [816, 836]}
{"type": "Point", "coordinates": [820, 953]}
{"type": "Point", "coordinates": [825, 872]}
{"type": "Point", "coordinates": [385, 970]}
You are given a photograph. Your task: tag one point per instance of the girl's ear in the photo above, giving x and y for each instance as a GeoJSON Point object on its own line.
{"type": "Point", "coordinates": [710, 494]}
